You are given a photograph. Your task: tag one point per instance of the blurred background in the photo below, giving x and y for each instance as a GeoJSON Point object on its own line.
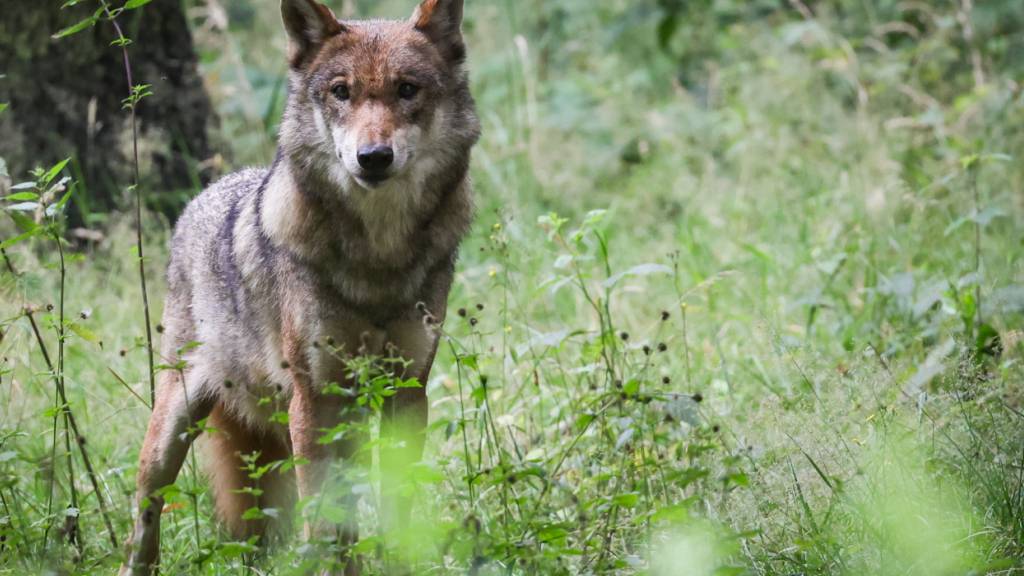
{"type": "Point", "coordinates": [610, 87]}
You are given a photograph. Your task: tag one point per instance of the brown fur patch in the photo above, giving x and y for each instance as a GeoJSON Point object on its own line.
{"type": "Point", "coordinates": [227, 445]}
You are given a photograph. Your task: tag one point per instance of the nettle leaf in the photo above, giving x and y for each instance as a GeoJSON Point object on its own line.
{"type": "Point", "coordinates": [79, 26]}
{"type": "Point", "coordinates": [19, 238]}
{"type": "Point", "coordinates": [63, 199]}
{"type": "Point", "coordinates": [55, 170]}
{"type": "Point", "coordinates": [22, 196]}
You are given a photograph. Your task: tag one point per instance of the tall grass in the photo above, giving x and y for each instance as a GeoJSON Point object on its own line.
{"type": "Point", "coordinates": [743, 297]}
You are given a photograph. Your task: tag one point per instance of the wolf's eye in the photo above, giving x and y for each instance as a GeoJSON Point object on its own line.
{"type": "Point", "coordinates": [407, 91]}
{"type": "Point", "coordinates": [340, 92]}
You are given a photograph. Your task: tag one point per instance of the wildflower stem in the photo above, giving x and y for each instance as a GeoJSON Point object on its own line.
{"type": "Point", "coordinates": [133, 99]}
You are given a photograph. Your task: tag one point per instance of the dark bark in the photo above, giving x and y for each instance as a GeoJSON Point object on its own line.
{"type": "Point", "coordinates": [66, 97]}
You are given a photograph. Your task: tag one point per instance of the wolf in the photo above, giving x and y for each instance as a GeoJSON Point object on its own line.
{"type": "Point", "coordinates": [345, 246]}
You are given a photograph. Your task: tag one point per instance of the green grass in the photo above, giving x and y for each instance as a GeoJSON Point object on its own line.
{"type": "Point", "coordinates": [720, 306]}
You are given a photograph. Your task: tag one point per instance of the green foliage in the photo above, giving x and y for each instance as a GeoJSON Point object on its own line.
{"type": "Point", "coordinates": [744, 297]}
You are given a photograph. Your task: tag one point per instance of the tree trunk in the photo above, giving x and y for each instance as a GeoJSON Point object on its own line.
{"type": "Point", "coordinates": [66, 95]}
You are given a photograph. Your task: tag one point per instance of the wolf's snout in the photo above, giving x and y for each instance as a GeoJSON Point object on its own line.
{"type": "Point", "coordinates": [376, 159]}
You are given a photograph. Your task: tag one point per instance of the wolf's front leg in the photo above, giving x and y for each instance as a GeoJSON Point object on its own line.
{"type": "Point", "coordinates": [163, 452]}
{"type": "Point", "coordinates": [309, 413]}
{"type": "Point", "coordinates": [404, 419]}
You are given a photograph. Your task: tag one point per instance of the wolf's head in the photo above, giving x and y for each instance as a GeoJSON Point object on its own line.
{"type": "Point", "coordinates": [377, 104]}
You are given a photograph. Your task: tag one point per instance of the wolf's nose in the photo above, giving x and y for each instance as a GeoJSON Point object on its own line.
{"type": "Point", "coordinates": [376, 158]}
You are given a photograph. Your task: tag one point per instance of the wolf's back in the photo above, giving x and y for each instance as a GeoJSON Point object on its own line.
{"type": "Point", "coordinates": [202, 253]}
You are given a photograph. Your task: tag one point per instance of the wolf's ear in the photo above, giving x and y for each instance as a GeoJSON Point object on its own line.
{"type": "Point", "coordinates": [308, 23]}
{"type": "Point", "coordinates": [441, 21]}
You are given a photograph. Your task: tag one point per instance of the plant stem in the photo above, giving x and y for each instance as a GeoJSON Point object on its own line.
{"type": "Point", "coordinates": [71, 526]}
{"type": "Point", "coordinates": [79, 438]}
{"type": "Point", "coordinates": [977, 242]}
{"type": "Point", "coordinates": [138, 202]}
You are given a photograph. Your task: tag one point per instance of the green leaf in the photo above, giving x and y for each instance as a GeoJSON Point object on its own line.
{"type": "Point", "coordinates": [253, 514]}
{"type": "Point", "coordinates": [84, 333]}
{"type": "Point", "coordinates": [667, 29]}
{"type": "Point", "coordinates": [19, 238]}
{"type": "Point", "coordinates": [334, 513]}
{"type": "Point", "coordinates": [627, 500]}
{"type": "Point", "coordinates": [55, 170]}
{"type": "Point", "coordinates": [673, 514]}
{"type": "Point", "coordinates": [133, 4]}
{"type": "Point", "coordinates": [21, 196]}
{"type": "Point", "coordinates": [64, 199]}
{"type": "Point", "coordinates": [237, 549]}
{"type": "Point", "coordinates": [738, 478]}
{"type": "Point", "coordinates": [410, 383]}
{"type": "Point", "coordinates": [3, 106]}
{"type": "Point", "coordinates": [76, 28]}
